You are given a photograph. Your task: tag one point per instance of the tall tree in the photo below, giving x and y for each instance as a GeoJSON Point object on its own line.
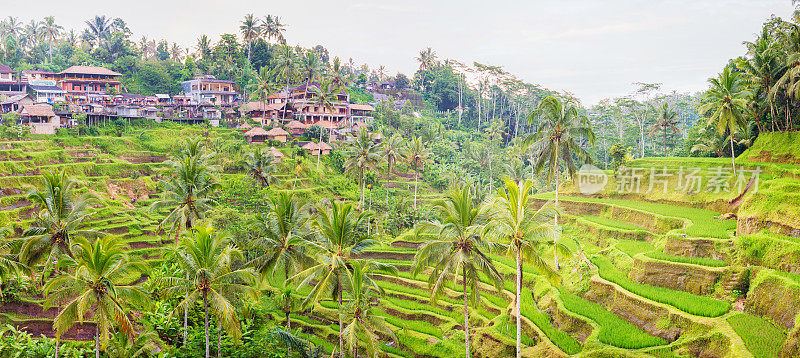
{"type": "Point", "coordinates": [524, 230]}
{"type": "Point", "coordinates": [416, 155]}
{"type": "Point", "coordinates": [727, 105]}
{"type": "Point", "coordinates": [666, 123]}
{"type": "Point", "coordinates": [457, 248]}
{"type": "Point", "coordinates": [324, 96]}
{"type": "Point", "coordinates": [363, 322]}
{"type": "Point", "coordinates": [338, 241]}
{"type": "Point", "coordinates": [208, 256]}
{"type": "Point", "coordinates": [250, 31]}
{"type": "Point", "coordinates": [362, 155]}
{"type": "Point", "coordinates": [557, 139]}
{"type": "Point", "coordinates": [52, 31]}
{"type": "Point", "coordinates": [259, 165]}
{"type": "Point", "coordinates": [60, 219]}
{"type": "Point", "coordinates": [98, 284]}
{"type": "Point", "coordinates": [99, 29]}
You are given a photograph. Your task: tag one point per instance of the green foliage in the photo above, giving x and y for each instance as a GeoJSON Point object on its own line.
{"type": "Point", "coordinates": [762, 338]}
{"type": "Point", "coordinates": [684, 301]}
{"type": "Point", "coordinates": [613, 330]}
{"type": "Point", "coordinates": [561, 339]}
{"type": "Point", "coordinates": [702, 261]}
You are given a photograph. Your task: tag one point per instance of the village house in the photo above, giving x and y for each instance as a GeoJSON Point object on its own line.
{"type": "Point", "coordinates": [88, 84]}
{"type": "Point", "coordinates": [40, 117]}
{"type": "Point", "coordinates": [209, 90]}
{"type": "Point", "coordinates": [296, 127]}
{"type": "Point", "coordinates": [256, 135]}
{"type": "Point", "coordinates": [317, 148]}
{"type": "Point", "coordinates": [47, 93]}
{"type": "Point", "coordinates": [15, 103]}
{"type": "Point", "coordinates": [9, 86]}
{"type": "Point", "coordinates": [310, 112]}
{"type": "Point", "coordinates": [266, 113]}
{"type": "Point", "coordinates": [39, 77]}
{"type": "Point", "coordinates": [277, 134]}
{"type": "Point", "coordinates": [361, 112]}
{"type": "Point", "coordinates": [277, 156]}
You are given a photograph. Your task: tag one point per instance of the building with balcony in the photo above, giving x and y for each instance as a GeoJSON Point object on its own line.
{"type": "Point", "coordinates": [9, 86]}
{"type": "Point", "coordinates": [88, 84]}
{"type": "Point", "coordinates": [207, 90]}
{"type": "Point", "coordinates": [47, 94]}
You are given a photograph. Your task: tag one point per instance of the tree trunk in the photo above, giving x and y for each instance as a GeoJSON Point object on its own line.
{"type": "Point", "coordinates": [205, 310]}
{"type": "Point", "coordinates": [733, 157]}
{"type": "Point", "coordinates": [555, 248]}
{"type": "Point", "coordinates": [185, 313]}
{"type": "Point", "coordinates": [56, 347]}
{"type": "Point", "coordinates": [416, 176]}
{"type": "Point", "coordinates": [466, 310]}
{"type": "Point", "coordinates": [219, 338]}
{"type": "Point", "coordinates": [96, 342]}
{"type": "Point", "coordinates": [288, 330]}
{"type": "Point", "coordinates": [519, 299]}
{"type": "Point", "coordinates": [341, 340]}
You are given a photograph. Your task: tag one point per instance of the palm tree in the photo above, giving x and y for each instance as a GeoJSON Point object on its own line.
{"type": "Point", "coordinates": [666, 123]}
{"type": "Point", "coordinates": [51, 32]}
{"type": "Point", "coordinates": [310, 67]}
{"type": "Point", "coordinates": [338, 241]}
{"type": "Point", "coordinates": [176, 52]}
{"type": "Point", "coordinates": [281, 247]}
{"type": "Point", "coordinates": [515, 221]}
{"type": "Point", "coordinates": [99, 284]}
{"type": "Point", "coordinates": [363, 323]}
{"type": "Point", "coordinates": [557, 139]}
{"type": "Point", "coordinates": [59, 220]}
{"type": "Point", "coordinates": [99, 29]}
{"type": "Point", "coordinates": [337, 75]}
{"type": "Point", "coordinates": [259, 164]}
{"type": "Point", "coordinates": [426, 59]}
{"type": "Point", "coordinates": [727, 105]}
{"type": "Point", "coordinates": [285, 67]}
{"type": "Point", "coordinates": [250, 31]}
{"type": "Point", "coordinates": [362, 155]}
{"type": "Point", "coordinates": [391, 150]}
{"type": "Point", "coordinates": [263, 87]}
{"type": "Point", "coordinates": [143, 345]}
{"type": "Point", "coordinates": [457, 248]}
{"type": "Point", "coordinates": [204, 47]}
{"type": "Point", "coordinates": [187, 193]}
{"type": "Point", "coordinates": [324, 96]}
{"type": "Point", "coordinates": [516, 171]}
{"type": "Point", "coordinates": [416, 155]}
{"type": "Point", "coordinates": [13, 27]}
{"type": "Point", "coordinates": [9, 258]}
{"type": "Point", "coordinates": [208, 256]}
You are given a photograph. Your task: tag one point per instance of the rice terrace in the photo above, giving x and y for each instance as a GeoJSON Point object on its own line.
{"type": "Point", "coordinates": [255, 184]}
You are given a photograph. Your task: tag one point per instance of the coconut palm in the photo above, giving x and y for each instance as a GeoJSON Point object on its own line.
{"type": "Point", "coordinates": [727, 105]}
{"type": "Point", "coordinates": [187, 194]}
{"type": "Point", "coordinates": [363, 322]}
{"type": "Point", "coordinates": [208, 256]}
{"type": "Point", "coordinates": [99, 29]}
{"type": "Point", "coordinates": [391, 151]}
{"type": "Point", "coordinates": [416, 154]}
{"type": "Point", "coordinates": [337, 75]}
{"type": "Point", "coordinates": [666, 123]}
{"type": "Point", "coordinates": [51, 32]}
{"type": "Point", "coordinates": [98, 284]}
{"type": "Point", "coordinates": [123, 346]}
{"type": "Point", "coordinates": [281, 246]}
{"type": "Point", "coordinates": [250, 31]}
{"type": "Point", "coordinates": [204, 47]}
{"type": "Point", "coordinates": [59, 220]}
{"type": "Point", "coordinates": [362, 155]}
{"type": "Point", "coordinates": [426, 59]}
{"type": "Point", "coordinates": [9, 258]}
{"type": "Point", "coordinates": [457, 248]}
{"type": "Point", "coordinates": [310, 67]}
{"type": "Point", "coordinates": [338, 241]}
{"type": "Point", "coordinates": [259, 165]}
{"type": "Point", "coordinates": [523, 229]}
{"type": "Point", "coordinates": [263, 87]}
{"type": "Point", "coordinates": [324, 96]}
{"type": "Point", "coordinates": [516, 171]}
{"type": "Point", "coordinates": [560, 131]}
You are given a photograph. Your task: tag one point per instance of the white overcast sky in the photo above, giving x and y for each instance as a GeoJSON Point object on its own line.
{"type": "Point", "coordinates": [594, 49]}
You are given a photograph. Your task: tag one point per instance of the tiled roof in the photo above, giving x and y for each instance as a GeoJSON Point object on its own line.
{"type": "Point", "coordinates": [362, 107]}
{"type": "Point", "coordinates": [89, 70]}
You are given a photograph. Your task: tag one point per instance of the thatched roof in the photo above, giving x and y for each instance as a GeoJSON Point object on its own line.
{"type": "Point", "coordinates": [277, 131]}
{"type": "Point", "coordinates": [255, 131]}
{"type": "Point", "coordinates": [296, 125]}
{"type": "Point", "coordinates": [38, 110]}
{"type": "Point", "coordinates": [245, 125]}
{"type": "Point", "coordinates": [324, 124]}
{"type": "Point", "coordinates": [276, 153]}
{"type": "Point", "coordinates": [317, 146]}
{"type": "Point", "coordinates": [362, 107]}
